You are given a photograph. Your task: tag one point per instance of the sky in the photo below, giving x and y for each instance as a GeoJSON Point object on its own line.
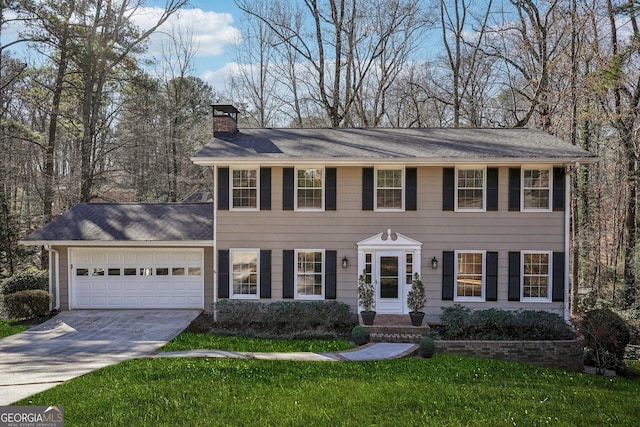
{"type": "Point", "coordinates": [212, 23]}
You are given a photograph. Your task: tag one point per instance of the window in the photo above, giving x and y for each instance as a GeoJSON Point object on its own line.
{"type": "Point", "coordinates": [389, 189]}
{"type": "Point", "coordinates": [536, 276]}
{"type": "Point", "coordinates": [536, 189]}
{"type": "Point", "coordinates": [470, 276]}
{"type": "Point", "coordinates": [310, 274]}
{"type": "Point", "coordinates": [409, 268]}
{"type": "Point", "coordinates": [244, 188]}
{"type": "Point", "coordinates": [244, 271]}
{"type": "Point", "coordinates": [114, 272]}
{"type": "Point", "coordinates": [470, 185]}
{"type": "Point", "coordinates": [309, 189]}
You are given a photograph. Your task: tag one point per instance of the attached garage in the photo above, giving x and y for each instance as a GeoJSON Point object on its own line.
{"type": "Point", "coordinates": [130, 256]}
{"type": "Point", "coordinates": [137, 278]}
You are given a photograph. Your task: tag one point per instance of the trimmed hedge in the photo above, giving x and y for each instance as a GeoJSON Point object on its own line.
{"type": "Point", "coordinates": [26, 304]}
{"type": "Point", "coordinates": [285, 318]}
{"type": "Point", "coordinates": [30, 279]}
{"type": "Point", "coordinates": [463, 323]}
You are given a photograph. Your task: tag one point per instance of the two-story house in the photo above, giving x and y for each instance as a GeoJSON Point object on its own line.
{"type": "Point", "coordinates": [299, 214]}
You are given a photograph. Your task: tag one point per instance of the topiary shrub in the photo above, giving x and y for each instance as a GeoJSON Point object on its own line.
{"type": "Point", "coordinates": [26, 304]}
{"type": "Point", "coordinates": [30, 279]}
{"type": "Point", "coordinates": [605, 337]}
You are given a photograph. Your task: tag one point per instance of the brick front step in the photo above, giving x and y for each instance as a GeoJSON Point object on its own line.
{"type": "Point", "coordinates": [397, 338]}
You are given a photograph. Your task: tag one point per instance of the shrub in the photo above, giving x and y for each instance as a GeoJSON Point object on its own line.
{"type": "Point", "coordinates": [313, 318]}
{"type": "Point", "coordinates": [30, 279]}
{"type": "Point", "coordinates": [29, 303]}
{"type": "Point", "coordinates": [605, 337]}
{"type": "Point", "coordinates": [427, 344]}
{"type": "Point", "coordinates": [359, 332]}
{"type": "Point", "coordinates": [461, 323]}
{"type": "Point", "coordinates": [417, 296]}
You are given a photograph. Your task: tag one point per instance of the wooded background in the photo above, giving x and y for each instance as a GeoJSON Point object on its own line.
{"type": "Point", "coordinates": [83, 119]}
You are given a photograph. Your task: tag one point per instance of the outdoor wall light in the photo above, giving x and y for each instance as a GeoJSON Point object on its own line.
{"type": "Point", "coordinates": [345, 262]}
{"type": "Point", "coordinates": [434, 263]}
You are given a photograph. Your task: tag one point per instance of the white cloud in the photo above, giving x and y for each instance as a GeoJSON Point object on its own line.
{"type": "Point", "coordinates": [211, 31]}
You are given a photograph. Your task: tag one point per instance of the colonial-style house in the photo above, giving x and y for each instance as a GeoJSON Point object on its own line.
{"type": "Point", "coordinates": [482, 215]}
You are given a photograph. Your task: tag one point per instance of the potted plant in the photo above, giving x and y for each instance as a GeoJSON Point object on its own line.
{"type": "Point", "coordinates": [426, 347]}
{"type": "Point", "coordinates": [366, 299]}
{"type": "Point", "coordinates": [416, 300]}
{"type": "Point", "coordinates": [359, 335]}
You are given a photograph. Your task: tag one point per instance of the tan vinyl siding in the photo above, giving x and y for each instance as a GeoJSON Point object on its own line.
{"type": "Point", "coordinates": [438, 230]}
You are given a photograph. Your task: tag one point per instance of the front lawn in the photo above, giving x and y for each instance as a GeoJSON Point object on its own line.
{"type": "Point", "coordinates": [446, 390]}
{"type": "Point", "coordinates": [198, 341]}
{"type": "Point", "coordinates": [10, 327]}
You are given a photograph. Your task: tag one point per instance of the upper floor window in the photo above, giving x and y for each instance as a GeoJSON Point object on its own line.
{"type": "Point", "coordinates": [470, 189]}
{"type": "Point", "coordinates": [309, 188]}
{"type": "Point", "coordinates": [244, 188]}
{"type": "Point", "coordinates": [244, 273]}
{"type": "Point", "coordinates": [389, 189]}
{"type": "Point", "coordinates": [470, 276]}
{"type": "Point", "coordinates": [536, 189]}
{"type": "Point", "coordinates": [536, 276]}
{"type": "Point", "coordinates": [310, 274]}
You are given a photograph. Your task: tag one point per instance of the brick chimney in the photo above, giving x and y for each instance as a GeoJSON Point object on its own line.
{"type": "Point", "coordinates": [225, 120]}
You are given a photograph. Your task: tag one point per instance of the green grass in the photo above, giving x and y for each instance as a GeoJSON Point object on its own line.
{"type": "Point", "coordinates": [444, 391]}
{"type": "Point", "coordinates": [9, 327]}
{"type": "Point", "coordinates": [198, 341]}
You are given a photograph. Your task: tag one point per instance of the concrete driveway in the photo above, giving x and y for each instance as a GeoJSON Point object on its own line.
{"type": "Point", "coordinates": [76, 342]}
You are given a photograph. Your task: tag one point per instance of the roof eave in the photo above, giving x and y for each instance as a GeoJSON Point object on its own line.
{"type": "Point", "coordinates": [172, 243]}
{"type": "Point", "coordinates": [414, 161]}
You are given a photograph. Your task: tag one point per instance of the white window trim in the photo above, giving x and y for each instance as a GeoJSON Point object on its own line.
{"type": "Point", "coordinates": [257, 207]}
{"type": "Point", "coordinates": [233, 295]}
{"type": "Point", "coordinates": [484, 188]}
{"type": "Point", "coordinates": [549, 279]}
{"type": "Point", "coordinates": [375, 189]}
{"type": "Point", "coordinates": [295, 189]}
{"type": "Point", "coordinates": [295, 276]}
{"type": "Point", "coordinates": [534, 167]}
{"type": "Point", "coordinates": [481, 298]}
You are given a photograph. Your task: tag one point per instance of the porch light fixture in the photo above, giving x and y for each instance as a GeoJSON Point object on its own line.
{"type": "Point", "coordinates": [345, 262]}
{"type": "Point", "coordinates": [434, 263]}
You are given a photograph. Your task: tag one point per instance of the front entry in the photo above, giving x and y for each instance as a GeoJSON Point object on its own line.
{"type": "Point", "coordinates": [388, 282]}
{"type": "Point", "coordinates": [389, 260]}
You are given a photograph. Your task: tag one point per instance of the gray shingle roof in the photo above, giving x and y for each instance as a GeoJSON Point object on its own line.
{"type": "Point", "coordinates": [427, 144]}
{"type": "Point", "coordinates": [130, 222]}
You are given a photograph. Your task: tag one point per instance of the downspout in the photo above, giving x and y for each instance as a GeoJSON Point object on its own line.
{"type": "Point", "coordinates": [567, 236]}
{"type": "Point", "coordinates": [54, 276]}
{"type": "Point", "coordinates": [215, 240]}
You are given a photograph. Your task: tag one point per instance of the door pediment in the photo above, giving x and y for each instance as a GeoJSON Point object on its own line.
{"type": "Point", "coordinates": [389, 240]}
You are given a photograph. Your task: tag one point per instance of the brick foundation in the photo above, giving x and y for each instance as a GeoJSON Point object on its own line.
{"type": "Point", "coordinates": [565, 355]}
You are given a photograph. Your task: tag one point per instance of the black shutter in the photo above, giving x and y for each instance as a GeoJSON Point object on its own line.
{"type": "Point", "coordinates": [367, 189]}
{"type": "Point", "coordinates": [330, 189]}
{"type": "Point", "coordinates": [448, 275]}
{"type": "Point", "coordinates": [265, 274]}
{"type": "Point", "coordinates": [265, 189]}
{"type": "Point", "coordinates": [223, 273]}
{"type": "Point", "coordinates": [448, 188]}
{"type": "Point", "coordinates": [514, 276]}
{"type": "Point", "coordinates": [288, 265]}
{"type": "Point", "coordinates": [514, 189]}
{"type": "Point", "coordinates": [558, 189]}
{"type": "Point", "coordinates": [557, 293]}
{"type": "Point", "coordinates": [288, 190]}
{"type": "Point", "coordinates": [223, 189]}
{"type": "Point", "coordinates": [330, 274]}
{"type": "Point", "coordinates": [411, 189]}
{"type": "Point", "coordinates": [492, 189]}
{"type": "Point", "coordinates": [492, 276]}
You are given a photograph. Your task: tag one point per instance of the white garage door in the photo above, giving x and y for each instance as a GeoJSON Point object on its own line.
{"type": "Point", "coordinates": [137, 278]}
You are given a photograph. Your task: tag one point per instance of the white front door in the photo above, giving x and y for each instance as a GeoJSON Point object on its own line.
{"type": "Point", "coordinates": [389, 273]}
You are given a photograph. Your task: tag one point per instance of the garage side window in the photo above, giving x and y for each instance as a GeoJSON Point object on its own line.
{"type": "Point", "coordinates": [244, 268]}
